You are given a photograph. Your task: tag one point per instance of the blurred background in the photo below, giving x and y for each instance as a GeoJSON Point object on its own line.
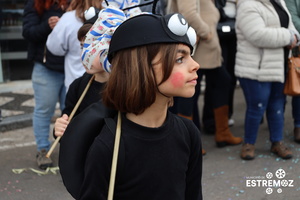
{"type": "Point", "coordinates": [13, 65]}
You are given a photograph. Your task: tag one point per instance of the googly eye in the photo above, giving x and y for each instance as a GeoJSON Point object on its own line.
{"type": "Point", "coordinates": [191, 33]}
{"type": "Point", "coordinates": [89, 13]}
{"type": "Point", "coordinates": [178, 25]}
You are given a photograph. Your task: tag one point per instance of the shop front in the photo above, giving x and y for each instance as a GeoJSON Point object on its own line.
{"type": "Point", "coordinates": [13, 54]}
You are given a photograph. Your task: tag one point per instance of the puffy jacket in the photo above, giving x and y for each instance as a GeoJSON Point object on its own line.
{"type": "Point", "coordinates": [260, 53]}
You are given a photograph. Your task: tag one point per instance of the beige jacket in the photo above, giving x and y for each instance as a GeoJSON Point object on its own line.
{"type": "Point", "coordinates": [203, 16]}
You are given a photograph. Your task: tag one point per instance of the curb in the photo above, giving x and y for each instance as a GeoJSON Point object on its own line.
{"type": "Point", "coordinates": [15, 122]}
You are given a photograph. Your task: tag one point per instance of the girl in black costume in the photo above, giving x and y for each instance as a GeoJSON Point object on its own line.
{"type": "Point", "coordinates": [160, 153]}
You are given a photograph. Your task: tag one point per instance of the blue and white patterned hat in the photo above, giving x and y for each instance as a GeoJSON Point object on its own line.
{"type": "Point", "coordinates": [115, 30]}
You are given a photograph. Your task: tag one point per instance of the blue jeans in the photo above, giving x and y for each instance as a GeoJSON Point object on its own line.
{"type": "Point", "coordinates": [48, 86]}
{"type": "Point", "coordinates": [261, 97]}
{"type": "Point", "coordinates": [296, 110]}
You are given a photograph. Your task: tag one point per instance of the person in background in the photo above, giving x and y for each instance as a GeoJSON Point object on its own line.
{"type": "Point", "coordinates": [294, 8]}
{"type": "Point", "coordinates": [78, 85]}
{"type": "Point", "coordinates": [265, 35]}
{"type": "Point", "coordinates": [228, 46]}
{"type": "Point", "coordinates": [203, 16]}
{"type": "Point", "coordinates": [227, 38]}
{"type": "Point", "coordinates": [63, 39]}
{"type": "Point", "coordinates": [39, 18]}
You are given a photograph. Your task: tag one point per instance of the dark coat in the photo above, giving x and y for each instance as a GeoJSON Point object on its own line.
{"type": "Point", "coordinates": [36, 30]}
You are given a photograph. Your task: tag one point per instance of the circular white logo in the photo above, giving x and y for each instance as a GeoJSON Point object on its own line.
{"type": "Point", "coordinates": [280, 173]}
{"type": "Point", "coordinates": [284, 183]}
{"type": "Point", "coordinates": [269, 175]}
{"type": "Point", "coordinates": [269, 190]}
{"type": "Point", "coordinates": [279, 190]}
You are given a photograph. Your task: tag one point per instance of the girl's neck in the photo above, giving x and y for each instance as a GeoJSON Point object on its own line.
{"type": "Point", "coordinates": [101, 77]}
{"type": "Point", "coordinates": [154, 116]}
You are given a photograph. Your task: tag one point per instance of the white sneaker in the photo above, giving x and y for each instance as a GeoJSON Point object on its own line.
{"type": "Point", "coordinates": [230, 122]}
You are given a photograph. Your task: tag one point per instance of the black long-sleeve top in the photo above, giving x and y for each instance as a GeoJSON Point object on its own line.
{"type": "Point", "coordinates": [76, 89]}
{"type": "Point", "coordinates": [154, 163]}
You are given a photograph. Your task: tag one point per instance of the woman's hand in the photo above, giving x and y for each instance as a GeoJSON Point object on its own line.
{"type": "Point", "coordinates": [52, 21]}
{"type": "Point", "coordinates": [294, 43]}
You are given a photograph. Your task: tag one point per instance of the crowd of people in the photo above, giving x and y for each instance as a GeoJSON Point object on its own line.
{"type": "Point", "coordinates": [98, 45]}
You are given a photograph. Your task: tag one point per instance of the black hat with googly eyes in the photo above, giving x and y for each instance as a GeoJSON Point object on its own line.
{"type": "Point", "coordinates": [147, 29]}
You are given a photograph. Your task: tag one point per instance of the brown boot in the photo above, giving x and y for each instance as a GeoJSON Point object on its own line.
{"type": "Point", "coordinates": [281, 150]}
{"type": "Point", "coordinates": [223, 136]}
{"type": "Point", "coordinates": [297, 134]}
{"type": "Point", "coordinates": [247, 152]}
{"type": "Point", "coordinates": [185, 116]}
{"type": "Point", "coordinates": [203, 152]}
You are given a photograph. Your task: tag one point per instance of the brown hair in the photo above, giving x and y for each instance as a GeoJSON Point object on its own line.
{"type": "Point", "coordinates": [132, 84]}
{"type": "Point", "coordinates": [83, 30]}
{"type": "Point", "coordinates": [42, 5]}
{"type": "Point", "coordinates": [82, 5]}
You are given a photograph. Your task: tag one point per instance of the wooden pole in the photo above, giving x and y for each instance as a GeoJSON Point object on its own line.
{"type": "Point", "coordinates": [114, 160]}
{"type": "Point", "coordinates": [72, 114]}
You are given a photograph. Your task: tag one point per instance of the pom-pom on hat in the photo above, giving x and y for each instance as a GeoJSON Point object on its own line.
{"type": "Point", "coordinates": [91, 15]}
{"type": "Point", "coordinates": [150, 29]}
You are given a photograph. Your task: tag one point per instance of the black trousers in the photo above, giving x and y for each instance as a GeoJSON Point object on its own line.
{"type": "Point", "coordinates": [228, 46]}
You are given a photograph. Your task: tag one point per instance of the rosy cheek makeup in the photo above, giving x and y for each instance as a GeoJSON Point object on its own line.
{"type": "Point", "coordinates": [177, 79]}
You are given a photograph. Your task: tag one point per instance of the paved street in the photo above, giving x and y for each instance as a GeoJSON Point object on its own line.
{"type": "Point", "coordinates": [225, 175]}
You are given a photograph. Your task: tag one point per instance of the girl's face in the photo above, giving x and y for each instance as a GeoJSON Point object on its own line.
{"type": "Point", "coordinates": [96, 67]}
{"type": "Point", "coordinates": [183, 78]}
